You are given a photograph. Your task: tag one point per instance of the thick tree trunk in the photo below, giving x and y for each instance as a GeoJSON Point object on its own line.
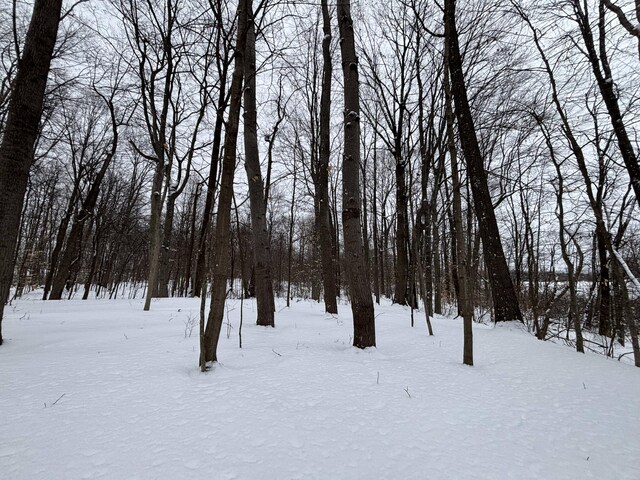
{"type": "Point", "coordinates": [261, 247]}
{"type": "Point", "coordinates": [402, 228]}
{"type": "Point", "coordinates": [364, 334]}
{"type": "Point", "coordinates": [21, 131]}
{"type": "Point", "coordinates": [323, 222]}
{"type": "Point", "coordinates": [221, 252]}
{"type": "Point", "coordinates": [505, 300]}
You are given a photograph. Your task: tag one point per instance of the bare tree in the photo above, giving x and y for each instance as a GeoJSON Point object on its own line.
{"type": "Point", "coordinates": [505, 300]}
{"type": "Point", "coordinates": [364, 334]}
{"type": "Point", "coordinates": [19, 135]}
{"type": "Point", "coordinates": [210, 334]}
{"type": "Point", "coordinates": [261, 248]}
{"type": "Point", "coordinates": [323, 218]}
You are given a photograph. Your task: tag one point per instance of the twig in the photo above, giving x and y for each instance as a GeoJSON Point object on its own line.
{"type": "Point", "coordinates": [59, 398]}
{"type": "Point", "coordinates": [275, 352]}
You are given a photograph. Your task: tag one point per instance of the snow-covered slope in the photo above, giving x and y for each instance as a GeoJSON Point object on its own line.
{"type": "Point", "coordinates": [103, 390]}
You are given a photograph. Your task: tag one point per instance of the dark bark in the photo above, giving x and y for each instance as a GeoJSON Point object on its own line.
{"type": "Point", "coordinates": [261, 247]}
{"type": "Point", "coordinates": [21, 131]}
{"type": "Point", "coordinates": [323, 220]}
{"type": "Point", "coordinates": [401, 294]}
{"type": "Point", "coordinates": [505, 300]}
{"type": "Point", "coordinates": [376, 240]}
{"type": "Point", "coordinates": [356, 270]}
{"type": "Point", "coordinates": [221, 254]}
{"type": "Point", "coordinates": [221, 107]}
{"type": "Point", "coordinates": [192, 238]}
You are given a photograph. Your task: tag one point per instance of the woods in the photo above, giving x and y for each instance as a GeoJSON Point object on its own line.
{"type": "Point", "coordinates": [466, 159]}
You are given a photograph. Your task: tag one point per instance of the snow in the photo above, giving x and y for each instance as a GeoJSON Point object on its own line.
{"type": "Point", "coordinates": [297, 402]}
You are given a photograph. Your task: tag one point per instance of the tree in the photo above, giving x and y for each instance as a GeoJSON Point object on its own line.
{"type": "Point", "coordinates": [261, 249]}
{"type": "Point", "coordinates": [323, 215]}
{"type": "Point", "coordinates": [210, 334]}
{"type": "Point", "coordinates": [505, 300]}
{"type": "Point", "coordinates": [599, 61]}
{"type": "Point", "coordinates": [391, 74]}
{"type": "Point", "coordinates": [364, 333]}
{"type": "Point", "coordinates": [17, 148]}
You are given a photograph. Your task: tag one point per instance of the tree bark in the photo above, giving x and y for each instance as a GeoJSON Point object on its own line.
{"type": "Point", "coordinates": [221, 252]}
{"type": "Point", "coordinates": [323, 222]}
{"type": "Point", "coordinates": [261, 247]}
{"type": "Point", "coordinates": [21, 131]}
{"type": "Point", "coordinates": [505, 300]}
{"type": "Point", "coordinates": [364, 334]}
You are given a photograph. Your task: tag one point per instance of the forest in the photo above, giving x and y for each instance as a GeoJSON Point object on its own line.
{"type": "Point", "coordinates": [319, 239]}
{"type": "Point", "coordinates": [473, 158]}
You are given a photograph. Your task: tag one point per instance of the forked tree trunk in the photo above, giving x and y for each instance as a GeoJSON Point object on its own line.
{"type": "Point", "coordinates": [261, 248]}
{"type": "Point", "coordinates": [21, 131]}
{"type": "Point", "coordinates": [505, 300]}
{"type": "Point", "coordinates": [220, 264]}
{"type": "Point", "coordinates": [364, 331]}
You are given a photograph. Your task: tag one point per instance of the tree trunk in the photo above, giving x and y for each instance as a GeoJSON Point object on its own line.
{"type": "Point", "coordinates": [164, 265]}
{"type": "Point", "coordinates": [323, 221]}
{"type": "Point", "coordinates": [402, 226]}
{"type": "Point", "coordinates": [364, 333]}
{"type": "Point", "coordinates": [261, 248]}
{"type": "Point", "coordinates": [221, 106]}
{"type": "Point", "coordinates": [221, 252]}
{"type": "Point", "coordinates": [21, 131]}
{"type": "Point", "coordinates": [505, 300]}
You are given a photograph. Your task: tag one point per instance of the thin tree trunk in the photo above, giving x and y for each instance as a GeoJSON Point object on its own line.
{"type": "Point", "coordinates": [60, 237]}
{"type": "Point", "coordinates": [376, 240]}
{"type": "Point", "coordinates": [192, 240]}
{"type": "Point", "coordinates": [221, 255]}
{"type": "Point", "coordinates": [323, 223]}
{"type": "Point", "coordinates": [291, 225]}
{"type": "Point", "coordinates": [465, 300]}
{"type": "Point", "coordinates": [164, 259]}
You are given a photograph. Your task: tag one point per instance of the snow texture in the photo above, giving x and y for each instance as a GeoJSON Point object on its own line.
{"type": "Point", "coordinates": [102, 390]}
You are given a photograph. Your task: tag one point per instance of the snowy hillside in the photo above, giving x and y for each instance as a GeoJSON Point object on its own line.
{"type": "Point", "coordinates": [103, 390]}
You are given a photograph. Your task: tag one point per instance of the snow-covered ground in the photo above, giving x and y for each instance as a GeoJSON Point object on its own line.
{"type": "Point", "coordinates": [102, 390]}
